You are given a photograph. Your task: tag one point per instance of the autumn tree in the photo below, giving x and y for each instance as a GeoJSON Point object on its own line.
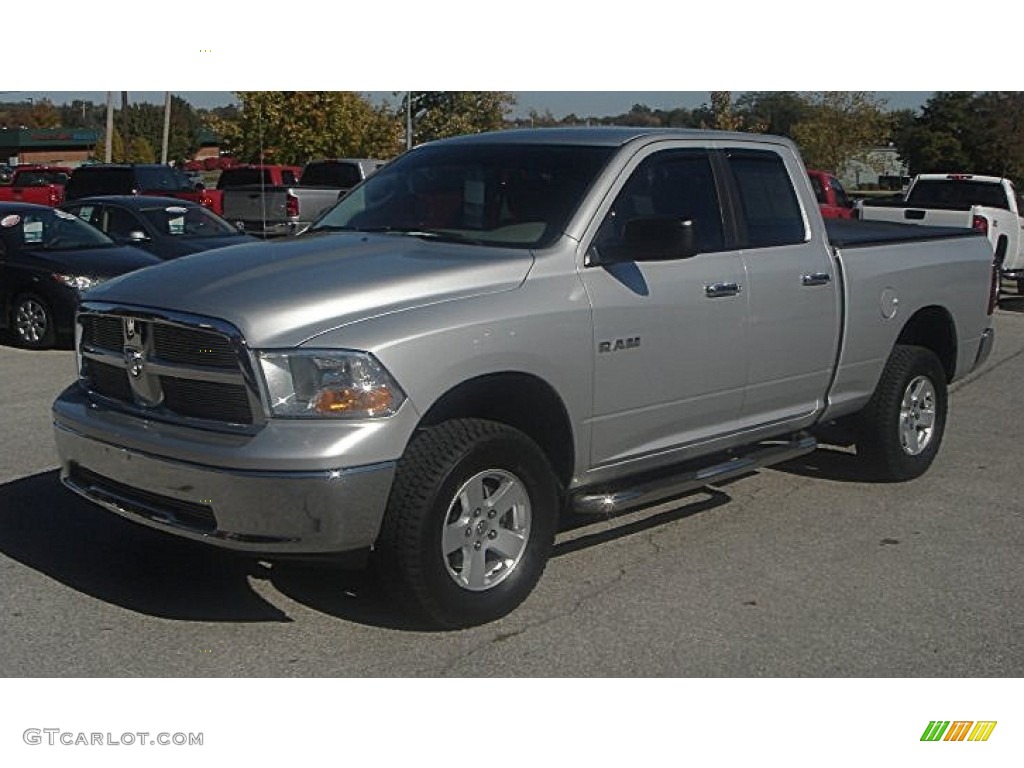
{"type": "Point", "coordinates": [440, 114]}
{"type": "Point", "coordinates": [721, 116]}
{"type": "Point", "coordinates": [842, 126]}
{"type": "Point", "coordinates": [294, 126]}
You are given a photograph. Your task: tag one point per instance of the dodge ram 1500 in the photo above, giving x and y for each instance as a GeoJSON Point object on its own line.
{"type": "Point", "coordinates": [493, 330]}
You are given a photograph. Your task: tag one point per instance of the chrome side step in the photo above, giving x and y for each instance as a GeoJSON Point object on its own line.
{"type": "Point", "coordinates": [653, 491]}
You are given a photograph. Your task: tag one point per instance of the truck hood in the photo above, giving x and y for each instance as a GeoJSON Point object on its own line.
{"type": "Point", "coordinates": [282, 293]}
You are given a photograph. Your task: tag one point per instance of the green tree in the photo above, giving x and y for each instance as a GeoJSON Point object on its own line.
{"type": "Point", "coordinates": [778, 111]}
{"type": "Point", "coordinates": [939, 139]}
{"type": "Point", "coordinates": [295, 126]}
{"type": "Point", "coordinates": [440, 114]}
{"type": "Point", "coordinates": [842, 126]}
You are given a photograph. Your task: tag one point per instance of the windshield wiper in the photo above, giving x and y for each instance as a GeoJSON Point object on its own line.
{"type": "Point", "coordinates": [427, 234]}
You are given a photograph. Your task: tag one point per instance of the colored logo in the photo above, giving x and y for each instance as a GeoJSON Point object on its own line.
{"type": "Point", "coordinates": [958, 730]}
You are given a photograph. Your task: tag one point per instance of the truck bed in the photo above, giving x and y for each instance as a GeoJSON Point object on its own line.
{"type": "Point", "coordinates": [853, 233]}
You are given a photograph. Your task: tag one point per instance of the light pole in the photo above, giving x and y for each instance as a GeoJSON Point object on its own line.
{"type": "Point", "coordinates": [408, 120]}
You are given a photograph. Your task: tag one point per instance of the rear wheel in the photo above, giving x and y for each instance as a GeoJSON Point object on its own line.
{"type": "Point", "coordinates": [470, 523]}
{"type": "Point", "coordinates": [901, 428]}
{"type": "Point", "coordinates": [32, 322]}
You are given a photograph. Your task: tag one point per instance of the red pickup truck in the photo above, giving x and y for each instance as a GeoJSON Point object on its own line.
{"type": "Point", "coordinates": [39, 184]}
{"type": "Point", "coordinates": [254, 176]}
{"type": "Point", "coordinates": [832, 198]}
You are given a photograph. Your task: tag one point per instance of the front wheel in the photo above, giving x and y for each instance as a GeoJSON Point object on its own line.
{"type": "Point", "coordinates": [901, 428]}
{"type": "Point", "coordinates": [32, 321]}
{"type": "Point", "coordinates": [470, 523]}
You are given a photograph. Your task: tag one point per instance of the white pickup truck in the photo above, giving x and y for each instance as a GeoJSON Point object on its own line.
{"type": "Point", "coordinates": [988, 204]}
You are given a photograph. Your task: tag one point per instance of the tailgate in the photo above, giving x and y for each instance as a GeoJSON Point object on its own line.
{"type": "Point", "coordinates": [254, 204]}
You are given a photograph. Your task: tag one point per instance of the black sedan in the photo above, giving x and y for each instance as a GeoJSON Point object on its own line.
{"type": "Point", "coordinates": [48, 258]}
{"type": "Point", "coordinates": [164, 226]}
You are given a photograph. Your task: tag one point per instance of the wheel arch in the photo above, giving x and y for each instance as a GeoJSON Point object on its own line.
{"type": "Point", "coordinates": [520, 400]}
{"type": "Point", "coordinates": [933, 328]}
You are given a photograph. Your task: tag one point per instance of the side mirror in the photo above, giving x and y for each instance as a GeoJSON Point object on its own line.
{"type": "Point", "coordinates": [137, 236]}
{"type": "Point", "coordinates": [655, 238]}
{"type": "Point", "coordinates": [199, 186]}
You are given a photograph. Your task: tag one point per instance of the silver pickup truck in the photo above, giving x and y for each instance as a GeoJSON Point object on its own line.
{"type": "Point", "coordinates": [495, 330]}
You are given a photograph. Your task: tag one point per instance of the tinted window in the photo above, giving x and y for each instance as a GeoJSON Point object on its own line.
{"type": "Point", "coordinates": [768, 204]}
{"type": "Point", "coordinates": [188, 221]}
{"type": "Point", "coordinates": [49, 230]}
{"type": "Point", "coordinates": [40, 178]}
{"type": "Point", "coordinates": [240, 177]}
{"type": "Point", "coordinates": [161, 178]}
{"type": "Point", "coordinates": [842, 199]}
{"type": "Point", "coordinates": [99, 181]}
{"type": "Point", "coordinates": [676, 184]}
{"type": "Point", "coordinates": [516, 195]}
{"type": "Point", "coordinates": [943, 192]}
{"type": "Point", "coordinates": [331, 175]}
{"type": "Point", "coordinates": [819, 190]}
{"type": "Point", "coordinates": [118, 223]}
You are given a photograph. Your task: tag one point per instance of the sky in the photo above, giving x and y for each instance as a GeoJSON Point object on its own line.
{"type": "Point", "coordinates": [582, 103]}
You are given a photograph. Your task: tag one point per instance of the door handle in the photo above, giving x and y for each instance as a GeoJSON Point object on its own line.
{"type": "Point", "coordinates": [717, 290]}
{"type": "Point", "coordinates": [816, 278]}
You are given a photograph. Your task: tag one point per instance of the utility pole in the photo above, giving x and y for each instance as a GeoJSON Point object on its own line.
{"type": "Point", "coordinates": [408, 119]}
{"type": "Point", "coordinates": [109, 154]}
{"type": "Point", "coordinates": [167, 127]}
{"type": "Point", "coordinates": [125, 127]}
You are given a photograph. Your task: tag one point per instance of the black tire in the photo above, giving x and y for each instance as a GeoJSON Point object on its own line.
{"type": "Point", "coordinates": [900, 430]}
{"type": "Point", "coordinates": [32, 322]}
{"type": "Point", "coordinates": [428, 514]}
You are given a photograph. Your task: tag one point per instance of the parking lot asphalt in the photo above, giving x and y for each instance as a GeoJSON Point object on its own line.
{"type": "Point", "coordinates": [799, 570]}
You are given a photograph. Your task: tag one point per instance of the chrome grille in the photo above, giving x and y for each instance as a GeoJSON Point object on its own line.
{"type": "Point", "coordinates": [206, 399]}
{"type": "Point", "coordinates": [193, 346]}
{"type": "Point", "coordinates": [169, 368]}
{"type": "Point", "coordinates": [103, 331]}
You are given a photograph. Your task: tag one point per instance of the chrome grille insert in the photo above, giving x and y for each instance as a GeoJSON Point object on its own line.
{"type": "Point", "coordinates": [185, 369]}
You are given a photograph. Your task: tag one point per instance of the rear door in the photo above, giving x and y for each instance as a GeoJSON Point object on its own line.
{"type": "Point", "coordinates": [792, 289]}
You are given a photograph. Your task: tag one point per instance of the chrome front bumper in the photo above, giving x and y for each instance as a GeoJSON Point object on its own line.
{"type": "Point", "coordinates": [287, 513]}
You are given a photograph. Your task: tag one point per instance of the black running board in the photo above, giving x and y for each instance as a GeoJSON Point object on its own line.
{"type": "Point", "coordinates": [614, 499]}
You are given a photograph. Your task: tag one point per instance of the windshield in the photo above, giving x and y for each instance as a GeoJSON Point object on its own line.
{"type": "Point", "coordinates": [188, 221]}
{"type": "Point", "coordinates": [49, 230]}
{"type": "Point", "coordinates": [511, 195]}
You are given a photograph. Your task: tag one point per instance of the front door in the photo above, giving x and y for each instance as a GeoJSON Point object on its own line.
{"type": "Point", "coordinates": [669, 336]}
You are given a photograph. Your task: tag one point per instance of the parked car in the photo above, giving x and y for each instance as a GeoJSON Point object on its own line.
{"type": "Point", "coordinates": [252, 177]}
{"type": "Point", "coordinates": [48, 260]}
{"type": "Point", "coordinates": [271, 211]}
{"type": "Point", "coordinates": [987, 204]}
{"type": "Point", "coordinates": [832, 198]}
{"type": "Point", "coordinates": [164, 226]}
{"type": "Point", "coordinates": [134, 179]}
{"type": "Point", "coordinates": [499, 328]}
{"type": "Point", "coordinates": [40, 184]}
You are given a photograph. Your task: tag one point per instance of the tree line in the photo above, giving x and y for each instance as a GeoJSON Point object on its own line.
{"type": "Point", "coordinates": [967, 131]}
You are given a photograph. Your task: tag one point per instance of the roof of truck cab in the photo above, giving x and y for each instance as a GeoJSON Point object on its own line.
{"type": "Point", "coordinates": [608, 136]}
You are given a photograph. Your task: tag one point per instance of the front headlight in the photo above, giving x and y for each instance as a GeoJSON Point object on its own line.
{"type": "Point", "coordinates": [332, 384]}
{"type": "Point", "coordinates": [78, 282]}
